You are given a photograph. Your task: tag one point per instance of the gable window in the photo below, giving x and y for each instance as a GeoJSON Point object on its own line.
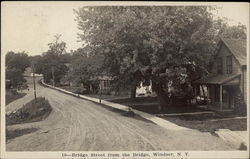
{"type": "Point", "coordinates": [229, 64]}
{"type": "Point", "coordinates": [219, 65]}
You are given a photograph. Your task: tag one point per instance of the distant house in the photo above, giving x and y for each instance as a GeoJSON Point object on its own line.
{"type": "Point", "coordinates": [105, 83]}
{"type": "Point", "coordinates": [228, 78]}
{"type": "Point", "coordinates": [145, 90]}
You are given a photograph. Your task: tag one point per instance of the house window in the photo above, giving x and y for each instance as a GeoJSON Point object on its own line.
{"type": "Point", "coordinates": [229, 64]}
{"type": "Point", "coordinates": [217, 93]}
{"type": "Point", "coordinates": [219, 65]}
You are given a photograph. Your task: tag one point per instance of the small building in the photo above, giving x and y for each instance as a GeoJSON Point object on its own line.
{"type": "Point", "coordinates": [228, 78]}
{"type": "Point", "coordinates": [142, 90]}
{"type": "Point", "coordinates": [105, 83]}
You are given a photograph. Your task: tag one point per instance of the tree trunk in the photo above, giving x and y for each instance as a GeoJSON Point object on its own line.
{"type": "Point", "coordinates": [53, 75]}
{"type": "Point", "coordinates": [133, 92]}
{"type": "Point", "coordinates": [90, 88]}
{"type": "Point", "coordinates": [163, 99]}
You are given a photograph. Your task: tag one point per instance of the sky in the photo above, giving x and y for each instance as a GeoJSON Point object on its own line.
{"type": "Point", "coordinates": [30, 26]}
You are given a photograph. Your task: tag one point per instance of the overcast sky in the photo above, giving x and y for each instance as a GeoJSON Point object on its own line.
{"type": "Point", "coordinates": [30, 26]}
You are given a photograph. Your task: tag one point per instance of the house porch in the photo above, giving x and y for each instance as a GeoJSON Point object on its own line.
{"type": "Point", "coordinates": [219, 91]}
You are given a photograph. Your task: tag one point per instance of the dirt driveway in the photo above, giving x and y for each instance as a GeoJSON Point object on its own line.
{"type": "Point", "coordinates": [77, 124]}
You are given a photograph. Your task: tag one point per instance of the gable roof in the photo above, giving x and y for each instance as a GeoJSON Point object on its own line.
{"type": "Point", "coordinates": [238, 48]}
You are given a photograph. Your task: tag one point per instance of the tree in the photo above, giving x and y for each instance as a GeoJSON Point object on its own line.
{"type": "Point", "coordinates": [16, 63]}
{"type": "Point", "coordinates": [84, 68]}
{"type": "Point", "coordinates": [52, 63]}
{"type": "Point", "coordinates": [17, 60]}
{"type": "Point", "coordinates": [224, 30]}
{"type": "Point", "coordinates": [38, 65]}
{"type": "Point", "coordinates": [116, 36]}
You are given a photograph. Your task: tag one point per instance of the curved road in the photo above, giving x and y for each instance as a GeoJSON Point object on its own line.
{"type": "Point", "coordinates": [77, 124]}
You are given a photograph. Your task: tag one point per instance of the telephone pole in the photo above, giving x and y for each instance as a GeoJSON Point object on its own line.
{"type": "Point", "coordinates": [34, 81]}
{"type": "Point", "coordinates": [53, 75]}
{"type": "Point", "coordinates": [100, 91]}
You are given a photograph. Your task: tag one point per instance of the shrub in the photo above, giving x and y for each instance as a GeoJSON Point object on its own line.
{"type": "Point", "coordinates": [240, 105]}
{"type": "Point", "coordinates": [35, 110]}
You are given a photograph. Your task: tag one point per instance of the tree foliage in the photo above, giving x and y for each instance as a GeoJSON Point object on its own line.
{"type": "Point", "coordinates": [170, 45]}
{"type": "Point", "coordinates": [231, 32]}
{"type": "Point", "coordinates": [85, 68]}
{"type": "Point", "coordinates": [16, 63]}
{"type": "Point", "coordinates": [53, 61]}
{"type": "Point", "coordinates": [17, 60]}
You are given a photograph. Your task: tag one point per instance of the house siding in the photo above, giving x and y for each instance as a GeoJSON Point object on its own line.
{"type": "Point", "coordinates": [223, 53]}
{"type": "Point", "coordinates": [244, 84]}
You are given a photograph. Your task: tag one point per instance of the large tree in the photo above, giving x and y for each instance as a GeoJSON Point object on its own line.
{"type": "Point", "coordinates": [16, 63]}
{"type": "Point", "coordinates": [18, 60]}
{"type": "Point", "coordinates": [52, 63]}
{"type": "Point", "coordinates": [116, 35]}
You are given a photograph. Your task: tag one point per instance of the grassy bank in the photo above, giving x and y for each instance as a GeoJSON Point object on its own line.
{"type": "Point", "coordinates": [150, 105]}
{"type": "Point", "coordinates": [35, 110]}
{"type": "Point", "coordinates": [11, 134]}
{"type": "Point", "coordinates": [12, 95]}
{"type": "Point", "coordinates": [106, 96]}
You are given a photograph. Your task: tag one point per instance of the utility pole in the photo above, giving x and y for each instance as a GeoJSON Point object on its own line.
{"type": "Point", "coordinates": [100, 92]}
{"type": "Point", "coordinates": [53, 75]}
{"type": "Point", "coordinates": [34, 81]}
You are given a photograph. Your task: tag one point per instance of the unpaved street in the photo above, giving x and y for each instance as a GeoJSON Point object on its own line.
{"type": "Point", "coordinates": [77, 124]}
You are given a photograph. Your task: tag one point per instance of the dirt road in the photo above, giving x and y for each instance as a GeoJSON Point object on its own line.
{"type": "Point", "coordinates": [77, 124]}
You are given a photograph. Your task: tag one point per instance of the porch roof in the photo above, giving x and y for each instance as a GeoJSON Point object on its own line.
{"type": "Point", "coordinates": [217, 79]}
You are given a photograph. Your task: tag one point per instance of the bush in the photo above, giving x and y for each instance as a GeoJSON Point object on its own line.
{"type": "Point", "coordinates": [14, 91]}
{"type": "Point", "coordinates": [11, 95]}
{"type": "Point", "coordinates": [240, 105]}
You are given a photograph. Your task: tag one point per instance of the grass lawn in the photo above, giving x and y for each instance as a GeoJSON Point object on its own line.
{"type": "Point", "coordinates": [145, 104]}
{"type": "Point", "coordinates": [208, 122]}
{"type": "Point", "coordinates": [73, 89]}
{"type": "Point", "coordinates": [150, 105]}
{"type": "Point", "coordinates": [30, 112]}
{"type": "Point", "coordinates": [105, 96]}
{"type": "Point", "coordinates": [10, 96]}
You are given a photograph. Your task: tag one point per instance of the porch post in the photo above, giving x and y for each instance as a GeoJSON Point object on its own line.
{"type": "Point", "coordinates": [220, 97]}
